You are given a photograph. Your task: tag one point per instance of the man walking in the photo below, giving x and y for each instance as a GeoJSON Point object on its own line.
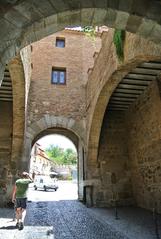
{"type": "Point", "coordinates": [19, 197]}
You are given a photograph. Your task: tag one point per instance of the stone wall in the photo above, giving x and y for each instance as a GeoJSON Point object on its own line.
{"type": "Point", "coordinates": [6, 127]}
{"type": "Point", "coordinates": [129, 154]}
{"type": "Point", "coordinates": [144, 146]}
{"type": "Point", "coordinates": [114, 162]}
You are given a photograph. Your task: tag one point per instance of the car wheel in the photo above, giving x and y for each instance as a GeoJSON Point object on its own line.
{"type": "Point", "coordinates": [35, 187]}
{"type": "Point", "coordinates": [45, 188]}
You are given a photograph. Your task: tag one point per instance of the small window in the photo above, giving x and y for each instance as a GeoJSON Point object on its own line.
{"type": "Point", "coordinates": [60, 42]}
{"type": "Point", "coordinates": [58, 76]}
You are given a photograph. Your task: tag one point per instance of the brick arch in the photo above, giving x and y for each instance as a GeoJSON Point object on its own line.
{"type": "Point", "coordinates": [58, 131]}
{"type": "Point", "coordinates": [101, 103]}
{"type": "Point", "coordinates": [49, 121]}
{"type": "Point", "coordinates": [141, 17]}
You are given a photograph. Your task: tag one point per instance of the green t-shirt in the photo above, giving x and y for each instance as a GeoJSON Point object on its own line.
{"type": "Point", "coordinates": [22, 186]}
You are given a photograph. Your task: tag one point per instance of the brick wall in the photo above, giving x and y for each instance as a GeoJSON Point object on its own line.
{"type": "Point", "coordinates": [65, 100]}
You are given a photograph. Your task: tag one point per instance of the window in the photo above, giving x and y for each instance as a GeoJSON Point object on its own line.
{"type": "Point", "coordinates": [60, 42]}
{"type": "Point", "coordinates": [58, 76]}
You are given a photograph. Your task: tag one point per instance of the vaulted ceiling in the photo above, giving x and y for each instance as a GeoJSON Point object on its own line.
{"type": "Point", "coordinates": [133, 85]}
{"type": "Point", "coordinates": [6, 87]}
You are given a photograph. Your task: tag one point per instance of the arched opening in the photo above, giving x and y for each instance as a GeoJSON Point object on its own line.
{"type": "Point", "coordinates": [53, 166]}
{"type": "Point", "coordinates": [76, 141]}
{"type": "Point", "coordinates": [12, 100]}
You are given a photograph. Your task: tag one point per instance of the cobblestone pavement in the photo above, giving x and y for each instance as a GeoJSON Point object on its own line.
{"type": "Point", "coordinates": [58, 220]}
{"type": "Point", "coordinates": [70, 219]}
{"type": "Point", "coordinates": [66, 218]}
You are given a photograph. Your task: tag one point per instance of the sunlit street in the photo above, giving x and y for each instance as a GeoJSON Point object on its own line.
{"type": "Point", "coordinates": [67, 190]}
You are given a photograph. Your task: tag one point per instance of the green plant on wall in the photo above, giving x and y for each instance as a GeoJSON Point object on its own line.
{"type": "Point", "coordinates": [89, 31]}
{"type": "Point", "coordinates": [118, 40]}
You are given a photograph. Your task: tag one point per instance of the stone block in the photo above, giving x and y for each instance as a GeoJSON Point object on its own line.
{"type": "Point", "coordinates": [48, 120]}
{"type": "Point", "coordinates": [53, 121]}
{"type": "Point", "coordinates": [121, 20]}
{"type": "Point", "coordinates": [111, 18]}
{"type": "Point", "coordinates": [42, 124]}
{"type": "Point", "coordinates": [133, 23]}
{"type": "Point", "coordinates": [71, 123]}
{"type": "Point", "coordinates": [99, 16]}
{"type": "Point", "coordinates": [155, 34]}
{"type": "Point", "coordinates": [145, 28]}
{"type": "Point", "coordinates": [86, 16]}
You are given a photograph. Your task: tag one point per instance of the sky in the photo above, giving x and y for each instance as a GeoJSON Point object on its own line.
{"type": "Point", "coordinates": [56, 140]}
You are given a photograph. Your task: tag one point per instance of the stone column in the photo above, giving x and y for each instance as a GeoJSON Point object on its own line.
{"type": "Point", "coordinates": [80, 171]}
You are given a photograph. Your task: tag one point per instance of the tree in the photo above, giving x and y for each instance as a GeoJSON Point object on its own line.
{"type": "Point", "coordinates": [61, 156]}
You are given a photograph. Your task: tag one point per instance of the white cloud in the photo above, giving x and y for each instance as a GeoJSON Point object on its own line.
{"type": "Point", "coordinates": [56, 140]}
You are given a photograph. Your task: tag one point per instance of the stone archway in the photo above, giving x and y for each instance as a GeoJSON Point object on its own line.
{"type": "Point", "coordinates": [26, 22]}
{"type": "Point", "coordinates": [65, 126]}
{"type": "Point", "coordinates": [12, 121]}
{"type": "Point", "coordinates": [18, 87]}
{"type": "Point", "coordinates": [100, 105]}
{"type": "Point", "coordinates": [108, 76]}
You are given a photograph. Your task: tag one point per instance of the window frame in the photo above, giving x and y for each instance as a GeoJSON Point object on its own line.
{"type": "Point", "coordinates": [60, 39]}
{"type": "Point", "coordinates": [58, 69]}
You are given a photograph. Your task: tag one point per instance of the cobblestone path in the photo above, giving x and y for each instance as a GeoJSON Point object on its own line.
{"type": "Point", "coordinates": [69, 220]}
{"type": "Point", "coordinates": [59, 220]}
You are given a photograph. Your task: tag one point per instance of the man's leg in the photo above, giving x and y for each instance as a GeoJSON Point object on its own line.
{"type": "Point", "coordinates": [23, 213]}
{"type": "Point", "coordinates": [18, 210]}
{"type": "Point", "coordinates": [18, 216]}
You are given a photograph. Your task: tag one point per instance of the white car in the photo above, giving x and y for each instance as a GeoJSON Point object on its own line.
{"type": "Point", "coordinates": [45, 183]}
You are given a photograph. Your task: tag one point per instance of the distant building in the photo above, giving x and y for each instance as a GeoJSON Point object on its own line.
{"type": "Point", "coordinates": [40, 162]}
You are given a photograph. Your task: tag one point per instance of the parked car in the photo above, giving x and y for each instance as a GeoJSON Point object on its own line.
{"type": "Point", "coordinates": [45, 183]}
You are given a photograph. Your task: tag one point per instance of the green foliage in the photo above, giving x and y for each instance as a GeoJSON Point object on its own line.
{"type": "Point", "coordinates": [90, 32]}
{"type": "Point", "coordinates": [118, 39]}
{"type": "Point", "coordinates": [61, 156]}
